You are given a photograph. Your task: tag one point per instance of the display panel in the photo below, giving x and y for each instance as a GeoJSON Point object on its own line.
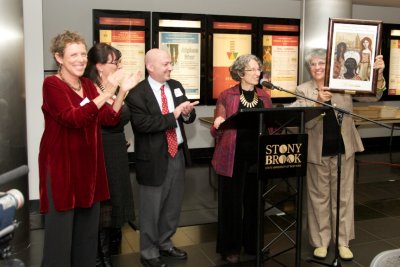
{"type": "Point", "coordinates": [127, 31]}
{"type": "Point", "coordinates": [226, 48]}
{"type": "Point", "coordinates": [394, 65]}
{"type": "Point", "coordinates": [279, 52]}
{"type": "Point", "coordinates": [132, 47]}
{"type": "Point", "coordinates": [182, 36]}
{"type": "Point", "coordinates": [228, 38]}
{"type": "Point", "coordinates": [185, 51]}
{"type": "Point", "coordinates": [280, 62]}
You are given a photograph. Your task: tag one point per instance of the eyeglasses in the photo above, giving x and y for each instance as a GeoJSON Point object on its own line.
{"type": "Point", "coordinates": [317, 64]}
{"type": "Point", "coordinates": [115, 62]}
{"type": "Point", "coordinates": [253, 70]}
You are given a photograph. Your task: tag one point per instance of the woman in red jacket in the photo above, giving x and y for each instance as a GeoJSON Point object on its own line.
{"type": "Point", "coordinates": [71, 162]}
{"type": "Point", "coordinates": [235, 159]}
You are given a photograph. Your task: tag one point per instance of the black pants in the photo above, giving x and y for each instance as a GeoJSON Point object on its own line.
{"type": "Point", "coordinates": [70, 237]}
{"type": "Point", "coordinates": [237, 210]}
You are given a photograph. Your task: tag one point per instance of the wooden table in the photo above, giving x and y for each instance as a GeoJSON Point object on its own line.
{"type": "Point", "coordinates": [392, 124]}
{"type": "Point", "coordinates": [207, 120]}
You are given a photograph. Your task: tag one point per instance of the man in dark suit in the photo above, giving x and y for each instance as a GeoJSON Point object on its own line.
{"type": "Point", "coordinates": [160, 164]}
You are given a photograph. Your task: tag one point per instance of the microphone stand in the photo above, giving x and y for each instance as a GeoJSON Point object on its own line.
{"type": "Point", "coordinates": [336, 261]}
{"type": "Point", "coordinates": [338, 109]}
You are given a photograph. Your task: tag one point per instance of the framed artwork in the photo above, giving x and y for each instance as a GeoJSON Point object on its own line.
{"type": "Point", "coordinates": [352, 48]}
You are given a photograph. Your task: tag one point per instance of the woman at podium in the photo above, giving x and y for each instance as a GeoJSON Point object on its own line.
{"type": "Point", "coordinates": [324, 135]}
{"type": "Point", "coordinates": [234, 160]}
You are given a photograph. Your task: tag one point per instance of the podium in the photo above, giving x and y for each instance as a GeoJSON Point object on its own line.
{"type": "Point", "coordinates": [288, 159]}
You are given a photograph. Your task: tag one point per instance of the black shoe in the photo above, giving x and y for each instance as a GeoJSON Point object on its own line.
{"type": "Point", "coordinates": [115, 241]}
{"type": "Point", "coordinates": [174, 252]}
{"type": "Point", "coordinates": [155, 262]}
{"type": "Point", "coordinates": [104, 247]}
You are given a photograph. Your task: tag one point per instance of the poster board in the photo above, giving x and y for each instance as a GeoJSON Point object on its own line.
{"type": "Point", "coordinates": [128, 31]}
{"type": "Point", "coordinates": [394, 62]}
{"type": "Point", "coordinates": [182, 36]}
{"type": "Point", "coordinates": [229, 37]}
{"type": "Point", "coordinates": [280, 55]}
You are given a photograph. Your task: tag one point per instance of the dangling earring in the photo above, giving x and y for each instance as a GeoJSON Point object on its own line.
{"type": "Point", "coordinates": [100, 73]}
{"type": "Point", "coordinates": [59, 68]}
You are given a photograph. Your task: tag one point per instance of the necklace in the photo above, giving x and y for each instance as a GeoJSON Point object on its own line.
{"type": "Point", "coordinates": [247, 104]}
{"type": "Point", "coordinates": [101, 86]}
{"type": "Point", "coordinates": [76, 89]}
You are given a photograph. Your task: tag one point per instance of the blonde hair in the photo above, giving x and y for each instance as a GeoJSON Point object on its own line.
{"type": "Point", "coordinates": [60, 41]}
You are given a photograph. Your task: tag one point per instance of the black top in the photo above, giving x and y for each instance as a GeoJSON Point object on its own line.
{"type": "Point", "coordinates": [119, 128]}
{"type": "Point", "coordinates": [331, 133]}
{"type": "Point", "coordinates": [247, 139]}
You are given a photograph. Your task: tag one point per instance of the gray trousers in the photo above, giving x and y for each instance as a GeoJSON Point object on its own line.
{"type": "Point", "coordinates": [160, 208]}
{"type": "Point", "coordinates": [70, 237]}
{"type": "Point", "coordinates": [322, 195]}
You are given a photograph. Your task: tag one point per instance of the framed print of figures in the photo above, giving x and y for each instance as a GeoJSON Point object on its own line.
{"type": "Point", "coordinates": [352, 48]}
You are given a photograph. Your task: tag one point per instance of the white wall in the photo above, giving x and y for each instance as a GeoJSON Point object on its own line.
{"type": "Point", "coordinates": [386, 14]}
{"type": "Point", "coordinates": [33, 39]}
{"type": "Point", "coordinates": [76, 15]}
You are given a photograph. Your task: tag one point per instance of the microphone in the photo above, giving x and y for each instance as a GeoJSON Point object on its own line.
{"type": "Point", "coordinates": [269, 85]}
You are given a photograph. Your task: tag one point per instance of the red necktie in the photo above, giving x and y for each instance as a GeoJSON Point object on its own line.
{"type": "Point", "coordinates": [171, 133]}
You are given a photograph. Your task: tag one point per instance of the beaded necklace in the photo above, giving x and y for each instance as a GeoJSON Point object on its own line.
{"type": "Point", "coordinates": [76, 89]}
{"type": "Point", "coordinates": [248, 104]}
{"type": "Point", "coordinates": [101, 86]}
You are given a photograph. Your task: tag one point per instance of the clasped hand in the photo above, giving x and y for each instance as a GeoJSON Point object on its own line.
{"type": "Point", "coordinates": [185, 108]}
{"type": "Point", "coordinates": [324, 94]}
{"type": "Point", "coordinates": [125, 82]}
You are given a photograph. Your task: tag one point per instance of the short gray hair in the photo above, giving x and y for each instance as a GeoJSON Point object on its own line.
{"type": "Point", "coordinates": [315, 52]}
{"type": "Point", "coordinates": [240, 64]}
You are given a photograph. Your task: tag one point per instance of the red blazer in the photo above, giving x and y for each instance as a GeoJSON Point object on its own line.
{"type": "Point", "coordinates": [71, 151]}
{"type": "Point", "coordinates": [225, 141]}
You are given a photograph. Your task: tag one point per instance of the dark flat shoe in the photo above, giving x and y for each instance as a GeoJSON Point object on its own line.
{"type": "Point", "coordinates": [233, 258]}
{"type": "Point", "coordinates": [155, 262]}
{"type": "Point", "coordinates": [174, 253]}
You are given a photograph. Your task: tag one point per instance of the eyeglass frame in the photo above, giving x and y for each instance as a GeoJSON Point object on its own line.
{"type": "Point", "coordinates": [116, 62]}
{"type": "Point", "coordinates": [253, 70]}
{"type": "Point", "coordinates": [317, 64]}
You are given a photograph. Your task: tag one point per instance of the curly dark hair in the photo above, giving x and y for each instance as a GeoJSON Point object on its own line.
{"type": "Point", "coordinates": [240, 64]}
{"type": "Point", "coordinates": [339, 52]}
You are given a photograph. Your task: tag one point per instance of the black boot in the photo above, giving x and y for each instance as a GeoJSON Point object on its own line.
{"type": "Point", "coordinates": [115, 241]}
{"type": "Point", "coordinates": [99, 255]}
{"type": "Point", "coordinates": [104, 239]}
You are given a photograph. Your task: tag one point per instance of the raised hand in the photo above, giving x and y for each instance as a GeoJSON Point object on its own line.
{"type": "Point", "coordinates": [130, 81]}
{"type": "Point", "coordinates": [379, 63]}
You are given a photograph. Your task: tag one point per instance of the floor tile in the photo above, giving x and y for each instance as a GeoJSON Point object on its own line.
{"type": "Point", "coordinates": [377, 220]}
